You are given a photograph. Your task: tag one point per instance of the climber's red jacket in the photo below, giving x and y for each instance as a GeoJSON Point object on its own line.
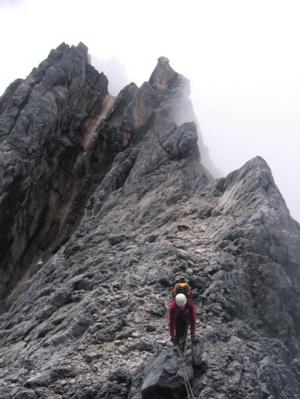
{"type": "Point", "coordinates": [188, 313]}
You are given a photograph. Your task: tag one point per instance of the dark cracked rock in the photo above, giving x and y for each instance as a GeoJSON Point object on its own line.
{"type": "Point", "coordinates": [164, 377]}
{"type": "Point", "coordinates": [103, 202]}
{"type": "Point", "coordinates": [46, 129]}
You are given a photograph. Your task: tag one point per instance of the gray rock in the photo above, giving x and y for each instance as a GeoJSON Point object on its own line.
{"type": "Point", "coordinates": [163, 377]}
{"type": "Point", "coordinates": [26, 394]}
{"type": "Point", "coordinates": [116, 239]}
{"type": "Point", "coordinates": [197, 353]}
{"type": "Point", "coordinates": [40, 379]}
{"type": "Point", "coordinates": [102, 203]}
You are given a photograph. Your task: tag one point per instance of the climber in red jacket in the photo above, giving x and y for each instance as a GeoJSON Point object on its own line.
{"type": "Point", "coordinates": [181, 316]}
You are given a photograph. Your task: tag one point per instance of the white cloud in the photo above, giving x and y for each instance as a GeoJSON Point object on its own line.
{"type": "Point", "coordinates": [241, 56]}
{"type": "Point", "coordinates": [9, 3]}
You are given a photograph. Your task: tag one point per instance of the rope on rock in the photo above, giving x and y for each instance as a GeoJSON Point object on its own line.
{"type": "Point", "coordinates": [187, 384]}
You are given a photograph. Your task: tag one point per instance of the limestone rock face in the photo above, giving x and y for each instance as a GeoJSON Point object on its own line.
{"type": "Point", "coordinates": [47, 122]}
{"type": "Point", "coordinates": [103, 201]}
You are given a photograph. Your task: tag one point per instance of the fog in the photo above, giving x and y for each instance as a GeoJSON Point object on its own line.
{"type": "Point", "coordinates": [241, 57]}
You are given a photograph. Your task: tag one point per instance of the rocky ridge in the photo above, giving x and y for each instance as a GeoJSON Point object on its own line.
{"type": "Point", "coordinates": [103, 201]}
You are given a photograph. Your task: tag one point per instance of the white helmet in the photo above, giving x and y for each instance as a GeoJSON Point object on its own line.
{"type": "Point", "coordinates": [180, 300]}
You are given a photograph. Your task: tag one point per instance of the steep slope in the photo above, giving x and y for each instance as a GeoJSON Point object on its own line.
{"type": "Point", "coordinates": [91, 313]}
{"type": "Point", "coordinates": [46, 124]}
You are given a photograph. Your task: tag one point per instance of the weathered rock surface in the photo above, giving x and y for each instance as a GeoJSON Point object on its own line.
{"type": "Point", "coordinates": [102, 201]}
{"type": "Point", "coordinates": [47, 124]}
{"type": "Point", "coordinates": [164, 377]}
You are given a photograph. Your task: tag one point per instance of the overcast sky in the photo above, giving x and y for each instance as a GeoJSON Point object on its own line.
{"type": "Point", "coordinates": [242, 58]}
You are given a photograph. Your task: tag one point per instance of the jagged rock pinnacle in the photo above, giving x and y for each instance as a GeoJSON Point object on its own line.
{"type": "Point", "coordinates": [163, 60]}
{"type": "Point", "coordinates": [163, 75]}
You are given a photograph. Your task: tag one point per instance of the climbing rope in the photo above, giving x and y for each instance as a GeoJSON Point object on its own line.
{"type": "Point", "coordinates": [187, 384]}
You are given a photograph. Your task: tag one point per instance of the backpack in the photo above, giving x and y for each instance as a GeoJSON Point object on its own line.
{"type": "Point", "coordinates": [182, 288]}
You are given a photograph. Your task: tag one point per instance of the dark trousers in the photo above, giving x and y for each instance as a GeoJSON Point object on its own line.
{"type": "Point", "coordinates": [181, 332]}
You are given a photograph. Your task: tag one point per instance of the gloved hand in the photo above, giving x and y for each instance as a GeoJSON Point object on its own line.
{"type": "Point", "coordinates": [195, 340]}
{"type": "Point", "coordinates": [174, 340]}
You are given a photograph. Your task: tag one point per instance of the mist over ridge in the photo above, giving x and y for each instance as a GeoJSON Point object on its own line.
{"type": "Point", "coordinates": [245, 84]}
{"type": "Point", "coordinates": [234, 131]}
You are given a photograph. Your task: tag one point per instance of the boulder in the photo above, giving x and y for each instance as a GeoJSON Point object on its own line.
{"type": "Point", "coordinates": [164, 376]}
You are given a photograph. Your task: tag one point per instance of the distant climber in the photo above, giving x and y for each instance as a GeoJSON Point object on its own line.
{"type": "Point", "coordinates": [182, 315]}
